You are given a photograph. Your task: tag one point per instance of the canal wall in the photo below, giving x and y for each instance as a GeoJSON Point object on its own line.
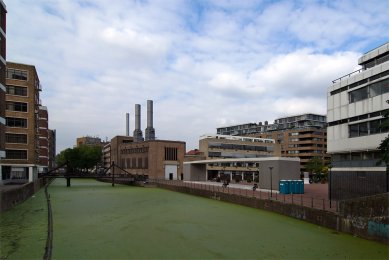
{"type": "Point", "coordinates": [9, 198]}
{"type": "Point", "coordinates": [347, 220]}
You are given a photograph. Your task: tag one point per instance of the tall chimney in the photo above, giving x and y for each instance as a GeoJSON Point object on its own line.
{"type": "Point", "coordinates": [150, 131]}
{"type": "Point", "coordinates": [127, 124]}
{"type": "Point", "coordinates": [138, 135]}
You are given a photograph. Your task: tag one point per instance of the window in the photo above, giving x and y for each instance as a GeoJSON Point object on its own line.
{"type": "Point", "coordinates": [16, 154]}
{"type": "Point", "coordinates": [16, 138]}
{"type": "Point", "coordinates": [16, 74]}
{"type": "Point", "coordinates": [366, 128]}
{"type": "Point", "coordinates": [358, 95]}
{"type": "Point", "coordinates": [16, 106]}
{"type": "Point", "coordinates": [16, 122]}
{"type": "Point", "coordinates": [170, 154]}
{"type": "Point", "coordinates": [16, 90]}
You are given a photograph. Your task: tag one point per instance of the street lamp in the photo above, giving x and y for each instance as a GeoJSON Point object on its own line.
{"type": "Point", "coordinates": [330, 183]}
{"type": "Point", "coordinates": [271, 181]}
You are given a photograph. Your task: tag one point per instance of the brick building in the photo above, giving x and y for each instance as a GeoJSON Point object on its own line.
{"type": "Point", "coordinates": [3, 13]}
{"type": "Point", "coordinates": [157, 159]}
{"type": "Point", "coordinates": [26, 129]}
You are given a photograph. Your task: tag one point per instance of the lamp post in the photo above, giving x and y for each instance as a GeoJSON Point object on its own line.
{"type": "Point", "coordinates": [271, 181]}
{"type": "Point", "coordinates": [330, 183]}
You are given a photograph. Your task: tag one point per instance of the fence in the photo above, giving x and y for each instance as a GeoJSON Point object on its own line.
{"type": "Point", "coordinates": [295, 199]}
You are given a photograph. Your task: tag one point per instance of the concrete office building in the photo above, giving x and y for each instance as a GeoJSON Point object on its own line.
{"type": "Point", "coordinates": [3, 13]}
{"type": "Point", "coordinates": [355, 107]}
{"type": "Point", "coordinates": [303, 136]}
{"type": "Point", "coordinates": [26, 153]}
{"type": "Point", "coordinates": [215, 147]}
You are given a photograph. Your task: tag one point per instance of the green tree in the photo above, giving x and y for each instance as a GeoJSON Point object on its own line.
{"type": "Point", "coordinates": [80, 158]}
{"type": "Point", "coordinates": [317, 168]}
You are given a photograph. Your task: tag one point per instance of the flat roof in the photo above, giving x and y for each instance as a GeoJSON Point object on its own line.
{"type": "Point", "coordinates": [262, 159]}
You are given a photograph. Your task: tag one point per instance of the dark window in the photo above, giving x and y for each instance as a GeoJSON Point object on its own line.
{"type": "Point", "coordinates": [16, 90]}
{"type": "Point", "coordinates": [16, 154]}
{"type": "Point", "coordinates": [171, 154]}
{"type": "Point", "coordinates": [375, 127]}
{"type": "Point", "coordinates": [353, 130]}
{"type": "Point", "coordinates": [363, 129]}
{"type": "Point", "coordinates": [16, 122]}
{"type": "Point", "coordinates": [359, 94]}
{"type": "Point", "coordinates": [16, 106]}
{"type": "Point", "coordinates": [16, 74]}
{"type": "Point", "coordinates": [16, 138]}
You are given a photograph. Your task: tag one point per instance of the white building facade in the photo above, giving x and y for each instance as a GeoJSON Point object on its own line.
{"type": "Point", "coordinates": [356, 104]}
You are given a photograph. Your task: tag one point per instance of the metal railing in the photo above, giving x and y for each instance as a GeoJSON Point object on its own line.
{"type": "Point", "coordinates": [296, 199]}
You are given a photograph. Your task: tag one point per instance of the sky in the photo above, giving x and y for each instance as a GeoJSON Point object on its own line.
{"type": "Point", "coordinates": [205, 64]}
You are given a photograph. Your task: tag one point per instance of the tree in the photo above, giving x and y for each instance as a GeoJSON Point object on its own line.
{"type": "Point", "coordinates": [316, 167]}
{"type": "Point", "coordinates": [80, 158]}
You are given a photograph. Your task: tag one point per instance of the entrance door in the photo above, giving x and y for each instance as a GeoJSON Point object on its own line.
{"type": "Point", "coordinates": [171, 172]}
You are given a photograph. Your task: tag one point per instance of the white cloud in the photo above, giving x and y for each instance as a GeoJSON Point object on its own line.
{"type": "Point", "coordinates": [205, 64]}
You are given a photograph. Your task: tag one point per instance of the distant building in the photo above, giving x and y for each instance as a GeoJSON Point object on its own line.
{"type": "Point", "coordinates": [235, 147]}
{"type": "Point", "coordinates": [89, 140]}
{"type": "Point", "coordinates": [156, 159]}
{"type": "Point", "coordinates": [356, 104]}
{"type": "Point", "coordinates": [26, 130]}
{"type": "Point", "coordinates": [3, 13]}
{"type": "Point", "coordinates": [303, 136]}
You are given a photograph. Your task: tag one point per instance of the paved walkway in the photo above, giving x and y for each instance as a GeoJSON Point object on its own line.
{"type": "Point", "coordinates": [315, 195]}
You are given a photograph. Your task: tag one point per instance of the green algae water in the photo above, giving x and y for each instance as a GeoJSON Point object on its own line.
{"type": "Point", "coordinates": [94, 220]}
{"type": "Point", "coordinates": [23, 230]}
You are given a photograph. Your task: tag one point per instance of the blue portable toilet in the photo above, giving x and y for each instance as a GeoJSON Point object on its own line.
{"type": "Point", "coordinates": [289, 186]}
{"type": "Point", "coordinates": [281, 187]}
{"type": "Point", "coordinates": [301, 185]}
{"type": "Point", "coordinates": [294, 188]}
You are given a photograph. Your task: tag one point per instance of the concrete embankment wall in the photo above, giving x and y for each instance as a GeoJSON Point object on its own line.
{"type": "Point", "coordinates": [11, 198]}
{"type": "Point", "coordinates": [340, 222]}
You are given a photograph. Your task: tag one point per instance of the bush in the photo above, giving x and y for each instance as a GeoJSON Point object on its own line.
{"type": "Point", "coordinates": [249, 180]}
{"type": "Point", "coordinates": [256, 179]}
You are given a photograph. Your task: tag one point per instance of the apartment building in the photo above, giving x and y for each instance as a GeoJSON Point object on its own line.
{"type": "Point", "coordinates": [3, 12]}
{"type": "Point", "coordinates": [88, 140]}
{"type": "Point", "coordinates": [52, 148]}
{"type": "Point", "coordinates": [235, 147]}
{"type": "Point", "coordinates": [355, 106]}
{"type": "Point", "coordinates": [303, 136]}
{"type": "Point", "coordinates": [26, 128]}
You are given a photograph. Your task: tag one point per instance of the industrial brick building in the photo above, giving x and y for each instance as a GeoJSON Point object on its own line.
{"type": "Point", "coordinates": [27, 143]}
{"type": "Point", "coordinates": [356, 104]}
{"type": "Point", "coordinates": [156, 159]}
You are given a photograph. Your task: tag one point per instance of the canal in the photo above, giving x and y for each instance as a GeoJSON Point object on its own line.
{"type": "Point", "coordinates": [94, 220]}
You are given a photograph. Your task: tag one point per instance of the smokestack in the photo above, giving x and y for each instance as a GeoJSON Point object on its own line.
{"type": "Point", "coordinates": [138, 136]}
{"type": "Point", "coordinates": [150, 132]}
{"type": "Point", "coordinates": [127, 124]}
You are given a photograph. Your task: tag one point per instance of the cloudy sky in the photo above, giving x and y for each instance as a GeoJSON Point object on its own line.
{"type": "Point", "coordinates": [206, 64]}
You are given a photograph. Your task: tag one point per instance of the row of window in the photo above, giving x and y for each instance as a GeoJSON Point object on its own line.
{"type": "Point", "coordinates": [357, 118]}
{"type": "Point", "coordinates": [377, 61]}
{"type": "Point", "coordinates": [17, 90]}
{"type": "Point", "coordinates": [16, 74]}
{"type": "Point", "coordinates": [16, 154]}
{"type": "Point", "coordinates": [366, 128]}
{"type": "Point", "coordinates": [16, 122]}
{"type": "Point", "coordinates": [135, 163]}
{"type": "Point", "coordinates": [16, 138]}
{"type": "Point", "coordinates": [238, 147]}
{"type": "Point", "coordinates": [16, 106]}
{"type": "Point", "coordinates": [361, 82]}
{"type": "Point", "coordinates": [369, 91]}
